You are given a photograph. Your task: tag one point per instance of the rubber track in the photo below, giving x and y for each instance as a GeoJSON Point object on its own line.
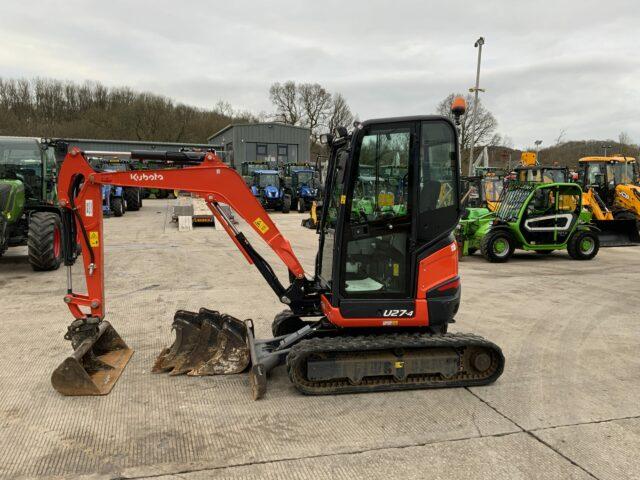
{"type": "Point", "coordinates": [357, 344]}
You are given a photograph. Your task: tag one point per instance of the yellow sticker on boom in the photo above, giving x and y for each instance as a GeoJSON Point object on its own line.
{"type": "Point", "coordinates": [94, 239]}
{"type": "Point", "coordinates": [343, 199]}
{"type": "Point", "coordinates": [260, 225]}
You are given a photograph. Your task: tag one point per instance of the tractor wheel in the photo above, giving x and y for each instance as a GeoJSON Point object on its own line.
{"type": "Point", "coordinates": [498, 246]}
{"type": "Point", "coordinates": [301, 206]}
{"type": "Point", "coordinates": [286, 203]}
{"type": "Point", "coordinates": [117, 206]}
{"type": "Point", "coordinates": [133, 198]}
{"type": "Point", "coordinates": [583, 245]}
{"type": "Point", "coordinates": [162, 194]}
{"type": "Point", "coordinates": [44, 241]}
{"type": "Point", "coordinates": [286, 323]}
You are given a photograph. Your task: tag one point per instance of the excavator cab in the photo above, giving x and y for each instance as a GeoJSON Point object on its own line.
{"type": "Point", "coordinates": [368, 259]}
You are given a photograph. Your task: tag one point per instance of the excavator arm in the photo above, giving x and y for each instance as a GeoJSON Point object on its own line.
{"type": "Point", "coordinates": [79, 193]}
{"type": "Point", "coordinates": [208, 342]}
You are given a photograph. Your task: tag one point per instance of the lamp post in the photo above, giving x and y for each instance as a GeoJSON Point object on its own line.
{"type": "Point", "coordinates": [606, 147]}
{"type": "Point", "coordinates": [538, 143]}
{"type": "Point", "coordinates": [475, 91]}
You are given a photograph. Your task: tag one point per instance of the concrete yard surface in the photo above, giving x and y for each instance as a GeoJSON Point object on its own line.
{"type": "Point", "coordinates": [566, 406]}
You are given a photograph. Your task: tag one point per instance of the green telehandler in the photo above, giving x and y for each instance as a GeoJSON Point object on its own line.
{"type": "Point", "coordinates": [29, 214]}
{"type": "Point", "coordinates": [539, 217]}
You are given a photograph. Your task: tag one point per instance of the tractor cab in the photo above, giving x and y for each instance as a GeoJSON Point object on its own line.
{"type": "Point", "coordinates": [28, 197]}
{"type": "Point", "coordinates": [32, 163]}
{"type": "Point", "coordinates": [604, 174]}
{"type": "Point", "coordinates": [542, 174]}
{"type": "Point", "coordinates": [615, 181]}
{"type": "Point", "coordinates": [302, 184]}
{"type": "Point", "coordinates": [267, 188]}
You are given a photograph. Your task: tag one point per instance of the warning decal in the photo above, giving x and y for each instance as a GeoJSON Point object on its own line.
{"type": "Point", "coordinates": [260, 225]}
{"type": "Point", "coordinates": [94, 239]}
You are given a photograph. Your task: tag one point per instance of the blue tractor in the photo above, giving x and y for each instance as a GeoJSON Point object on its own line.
{"type": "Point", "coordinates": [303, 187]}
{"type": "Point", "coordinates": [266, 187]}
{"type": "Point", "coordinates": [113, 201]}
{"type": "Point", "coordinates": [117, 200]}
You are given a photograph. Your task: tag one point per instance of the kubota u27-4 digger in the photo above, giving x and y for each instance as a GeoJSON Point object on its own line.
{"type": "Point", "coordinates": [373, 316]}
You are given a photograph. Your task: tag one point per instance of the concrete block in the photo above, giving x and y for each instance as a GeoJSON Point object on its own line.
{"type": "Point", "coordinates": [185, 223]}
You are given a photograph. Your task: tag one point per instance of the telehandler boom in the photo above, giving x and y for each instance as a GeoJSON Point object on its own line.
{"type": "Point", "coordinates": [373, 316]}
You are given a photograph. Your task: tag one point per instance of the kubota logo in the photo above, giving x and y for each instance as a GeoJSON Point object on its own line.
{"type": "Point", "coordinates": [139, 177]}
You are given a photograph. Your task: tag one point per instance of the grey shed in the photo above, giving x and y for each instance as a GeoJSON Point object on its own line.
{"type": "Point", "coordinates": [255, 142]}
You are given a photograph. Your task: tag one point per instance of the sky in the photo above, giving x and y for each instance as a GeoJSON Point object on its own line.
{"type": "Point", "coordinates": [547, 66]}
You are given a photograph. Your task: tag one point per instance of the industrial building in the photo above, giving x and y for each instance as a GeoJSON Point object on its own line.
{"type": "Point", "coordinates": [256, 142]}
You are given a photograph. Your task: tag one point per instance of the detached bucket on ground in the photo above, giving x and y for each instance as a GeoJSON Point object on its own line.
{"type": "Point", "coordinates": [95, 365]}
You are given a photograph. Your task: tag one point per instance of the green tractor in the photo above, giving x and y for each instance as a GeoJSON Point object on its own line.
{"type": "Point", "coordinates": [539, 217]}
{"type": "Point", "coordinates": [29, 214]}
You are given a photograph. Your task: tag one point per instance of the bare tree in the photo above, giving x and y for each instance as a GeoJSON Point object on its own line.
{"type": "Point", "coordinates": [624, 138]}
{"type": "Point", "coordinates": [315, 104]}
{"type": "Point", "coordinates": [310, 105]}
{"type": "Point", "coordinates": [486, 123]}
{"type": "Point", "coordinates": [285, 98]}
{"type": "Point", "coordinates": [561, 136]}
{"type": "Point", "coordinates": [340, 114]}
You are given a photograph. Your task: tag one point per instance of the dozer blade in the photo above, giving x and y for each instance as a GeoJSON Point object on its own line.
{"type": "Point", "coordinates": [618, 233]}
{"type": "Point", "coordinates": [207, 343]}
{"type": "Point", "coordinates": [95, 366]}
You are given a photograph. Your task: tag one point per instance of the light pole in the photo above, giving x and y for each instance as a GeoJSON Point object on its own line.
{"type": "Point", "coordinates": [475, 91]}
{"type": "Point", "coordinates": [606, 147]}
{"type": "Point", "coordinates": [538, 143]}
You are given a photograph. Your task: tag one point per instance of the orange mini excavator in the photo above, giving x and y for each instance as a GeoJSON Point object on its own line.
{"type": "Point", "coordinates": [372, 317]}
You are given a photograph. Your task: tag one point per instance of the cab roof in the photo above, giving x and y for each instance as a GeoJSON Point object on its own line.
{"type": "Point", "coordinates": [614, 159]}
{"type": "Point", "coordinates": [275, 172]}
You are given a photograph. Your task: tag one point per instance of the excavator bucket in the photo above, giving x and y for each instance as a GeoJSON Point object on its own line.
{"type": "Point", "coordinates": [618, 233]}
{"type": "Point", "coordinates": [207, 343]}
{"type": "Point", "coordinates": [95, 365]}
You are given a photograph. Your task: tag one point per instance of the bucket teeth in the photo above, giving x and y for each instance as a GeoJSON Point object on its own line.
{"type": "Point", "coordinates": [187, 327]}
{"type": "Point", "coordinates": [207, 343]}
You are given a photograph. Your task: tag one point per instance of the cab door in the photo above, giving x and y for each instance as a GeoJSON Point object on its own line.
{"type": "Point", "coordinates": [376, 236]}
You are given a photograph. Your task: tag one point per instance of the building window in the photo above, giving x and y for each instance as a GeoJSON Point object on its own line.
{"type": "Point", "coordinates": [283, 153]}
{"type": "Point", "coordinates": [229, 156]}
{"type": "Point", "coordinates": [261, 149]}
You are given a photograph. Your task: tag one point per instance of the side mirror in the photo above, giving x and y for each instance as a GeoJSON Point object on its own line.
{"type": "Point", "coordinates": [326, 139]}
